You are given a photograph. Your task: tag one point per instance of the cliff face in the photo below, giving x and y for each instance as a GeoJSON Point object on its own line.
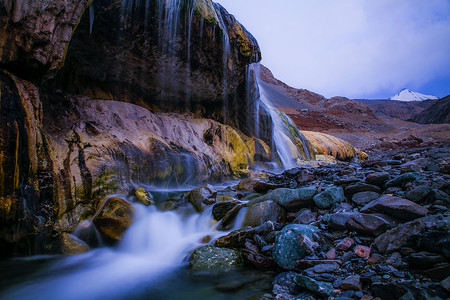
{"type": "Point", "coordinates": [65, 141]}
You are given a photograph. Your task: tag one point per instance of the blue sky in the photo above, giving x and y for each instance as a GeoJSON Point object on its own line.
{"type": "Point", "coordinates": [354, 48]}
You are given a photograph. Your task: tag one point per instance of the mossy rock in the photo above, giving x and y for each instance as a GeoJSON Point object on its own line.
{"type": "Point", "coordinates": [215, 258]}
{"type": "Point", "coordinates": [143, 197]}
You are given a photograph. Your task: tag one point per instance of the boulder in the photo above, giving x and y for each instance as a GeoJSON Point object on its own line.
{"type": "Point", "coordinates": [247, 184]}
{"type": "Point", "coordinates": [361, 187]}
{"type": "Point", "coordinates": [209, 258]}
{"type": "Point", "coordinates": [377, 178]}
{"type": "Point", "coordinates": [199, 195]}
{"type": "Point", "coordinates": [222, 208]}
{"type": "Point", "coordinates": [114, 217]}
{"type": "Point", "coordinates": [329, 197]}
{"type": "Point", "coordinates": [397, 237]}
{"type": "Point", "coordinates": [70, 244]}
{"type": "Point", "coordinates": [370, 224]}
{"type": "Point", "coordinates": [261, 212]}
{"type": "Point", "coordinates": [362, 198]}
{"type": "Point", "coordinates": [401, 180]}
{"type": "Point", "coordinates": [293, 243]}
{"type": "Point", "coordinates": [290, 199]}
{"type": "Point", "coordinates": [396, 207]}
{"type": "Point", "coordinates": [418, 194]}
{"type": "Point", "coordinates": [338, 220]}
{"type": "Point", "coordinates": [264, 187]}
{"type": "Point", "coordinates": [235, 239]}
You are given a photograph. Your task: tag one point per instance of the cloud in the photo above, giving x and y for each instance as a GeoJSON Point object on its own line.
{"type": "Point", "coordinates": [355, 48]}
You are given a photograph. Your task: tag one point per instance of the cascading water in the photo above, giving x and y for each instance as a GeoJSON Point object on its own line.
{"type": "Point", "coordinates": [286, 137]}
{"type": "Point", "coordinates": [155, 245]}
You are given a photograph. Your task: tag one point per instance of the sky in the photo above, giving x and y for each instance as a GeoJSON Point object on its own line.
{"type": "Point", "coordinates": [355, 48]}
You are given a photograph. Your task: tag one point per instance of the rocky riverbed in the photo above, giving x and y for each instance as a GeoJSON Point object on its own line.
{"type": "Point", "coordinates": [377, 229]}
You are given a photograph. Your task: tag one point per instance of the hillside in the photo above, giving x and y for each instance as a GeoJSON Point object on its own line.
{"type": "Point", "coordinates": [438, 113]}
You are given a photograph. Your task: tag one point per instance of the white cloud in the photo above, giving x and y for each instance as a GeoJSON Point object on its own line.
{"type": "Point", "coordinates": [355, 48]}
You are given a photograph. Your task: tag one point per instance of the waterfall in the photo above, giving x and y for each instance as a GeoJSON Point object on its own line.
{"type": "Point", "coordinates": [155, 245]}
{"type": "Point", "coordinates": [289, 143]}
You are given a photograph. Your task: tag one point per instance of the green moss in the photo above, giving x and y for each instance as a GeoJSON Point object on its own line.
{"type": "Point", "coordinates": [106, 183]}
{"type": "Point", "coordinates": [205, 9]}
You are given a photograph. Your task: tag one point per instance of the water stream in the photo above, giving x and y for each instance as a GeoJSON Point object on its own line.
{"type": "Point", "coordinates": [154, 248]}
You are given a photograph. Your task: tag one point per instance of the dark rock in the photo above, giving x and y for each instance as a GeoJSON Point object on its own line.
{"type": "Point", "coordinates": [326, 268]}
{"type": "Point", "coordinates": [215, 258]}
{"type": "Point", "coordinates": [367, 224]}
{"type": "Point", "coordinates": [114, 217]}
{"type": "Point", "coordinates": [323, 289]}
{"type": "Point", "coordinates": [396, 207]}
{"type": "Point", "coordinates": [387, 291]}
{"type": "Point", "coordinates": [264, 187]}
{"type": "Point", "coordinates": [268, 227]}
{"type": "Point", "coordinates": [285, 283]}
{"type": "Point", "coordinates": [438, 273]}
{"type": "Point", "coordinates": [445, 284]}
{"type": "Point", "coordinates": [436, 241]}
{"type": "Point", "coordinates": [235, 239]}
{"type": "Point", "coordinates": [424, 260]}
{"type": "Point", "coordinates": [395, 238]}
{"type": "Point", "coordinates": [227, 220]}
{"type": "Point", "coordinates": [362, 198]}
{"type": "Point", "coordinates": [293, 243]}
{"type": "Point", "coordinates": [260, 241]}
{"type": "Point", "coordinates": [305, 216]}
{"type": "Point", "coordinates": [402, 179]}
{"type": "Point", "coordinates": [361, 187]}
{"type": "Point", "coordinates": [290, 199]}
{"type": "Point", "coordinates": [247, 184]}
{"type": "Point", "coordinates": [310, 263]}
{"type": "Point", "coordinates": [419, 194]}
{"type": "Point", "coordinates": [305, 176]}
{"type": "Point", "coordinates": [261, 212]}
{"type": "Point", "coordinates": [338, 220]}
{"type": "Point", "coordinates": [378, 178]}
{"type": "Point", "coordinates": [352, 283]}
{"type": "Point", "coordinates": [328, 197]}
{"type": "Point", "coordinates": [345, 244]}
{"type": "Point", "coordinates": [199, 195]}
{"type": "Point", "coordinates": [222, 208]}
{"type": "Point", "coordinates": [346, 181]}
{"type": "Point", "coordinates": [260, 261]}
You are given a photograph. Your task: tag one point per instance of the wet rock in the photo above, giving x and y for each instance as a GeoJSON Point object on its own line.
{"type": "Point", "coordinates": [264, 187]}
{"type": "Point", "coordinates": [361, 187]}
{"type": "Point", "coordinates": [227, 221]}
{"type": "Point", "coordinates": [261, 212]}
{"type": "Point", "coordinates": [396, 207]}
{"type": "Point", "coordinates": [114, 217]}
{"type": "Point", "coordinates": [362, 251]}
{"type": "Point", "coordinates": [345, 244]}
{"type": "Point", "coordinates": [290, 199]}
{"type": "Point", "coordinates": [285, 283]}
{"type": "Point", "coordinates": [377, 178]}
{"type": "Point", "coordinates": [235, 239]}
{"type": "Point", "coordinates": [362, 198]}
{"type": "Point", "coordinates": [395, 238]}
{"type": "Point", "coordinates": [387, 291]}
{"type": "Point", "coordinates": [70, 244]}
{"type": "Point", "coordinates": [247, 184]}
{"type": "Point", "coordinates": [222, 208]}
{"type": "Point", "coordinates": [419, 194]}
{"type": "Point", "coordinates": [323, 289]}
{"type": "Point", "coordinates": [293, 243]}
{"type": "Point", "coordinates": [440, 272]}
{"type": "Point", "coordinates": [352, 283]}
{"type": "Point", "coordinates": [260, 261]}
{"type": "Point", "coordinates": [403, 179]}
{"type": "Point", "coordinates": [328, 197]}
{"type": "Point", "coordinates": [199, 195]}
{"type": "Point", "coordinates": [215, 258]}
{"type": "Point", "coordinates": [370, 224]}
{"type": "Point", "coordinates": [143, 197]}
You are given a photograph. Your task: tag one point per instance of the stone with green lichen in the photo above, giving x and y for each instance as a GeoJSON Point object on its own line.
{"type": "Point", "coordinates": [215, 258]}
{"type": "Point", "coordinates": [143, 197]}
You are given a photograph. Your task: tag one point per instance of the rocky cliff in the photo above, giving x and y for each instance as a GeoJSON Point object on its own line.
{"type": "Point", "coordinates": [102, 98]}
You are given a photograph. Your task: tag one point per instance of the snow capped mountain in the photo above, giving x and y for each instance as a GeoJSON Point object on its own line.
{"type": "Point", "coordinates": [408, 95]}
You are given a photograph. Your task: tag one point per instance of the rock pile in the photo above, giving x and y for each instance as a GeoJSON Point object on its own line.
{"type": "Point", "coordinates": [375, 229]}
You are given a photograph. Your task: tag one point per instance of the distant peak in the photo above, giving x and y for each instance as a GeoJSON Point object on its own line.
{"type": "Point", "coordinates": [408, 95]}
